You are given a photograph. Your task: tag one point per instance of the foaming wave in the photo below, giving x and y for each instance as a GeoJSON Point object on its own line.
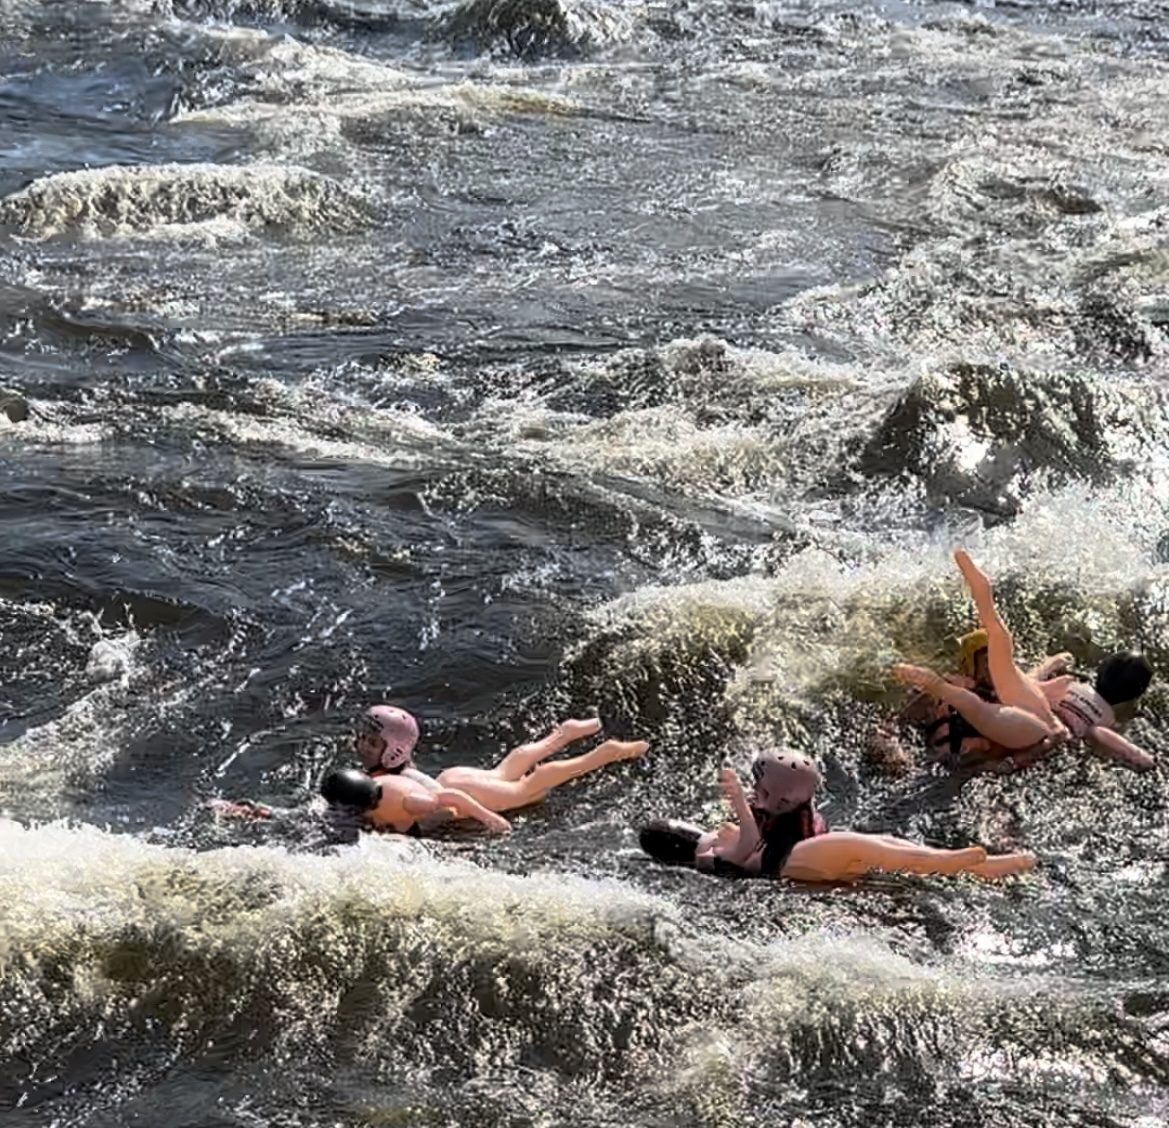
{"type": "Point", "coordinates": [116, 202]}
{"type": "Point", "coordinates": [365, 948]}
{"type": "Point", "coordinates": [51, 762]}
{"type": "Point", "coordinates": [1035, 238]}
{"type": "Point", "coordinates": [298, 99]}
{"type": "Point", "coordinates": [775, 650]}
{"type": "Point", "coordinates": [982, 435]}
{"type": "Point", "coordinates": [697, 416]}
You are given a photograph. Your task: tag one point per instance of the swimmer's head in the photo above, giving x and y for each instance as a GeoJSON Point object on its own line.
{"type": "Point", "coordinates": [385, 740]}
{"type": "Point", "coordinates": [972, 654]}
{"type": "Point", "coordinates": [351, 788]}
{"type": "Point", "coordinates": [1123, 676]}
{"type": "Point", "coordinates": [783, 781]}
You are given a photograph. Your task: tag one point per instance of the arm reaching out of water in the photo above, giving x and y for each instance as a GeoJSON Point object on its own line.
{"type": "Point", "coordinates": [747, 842]}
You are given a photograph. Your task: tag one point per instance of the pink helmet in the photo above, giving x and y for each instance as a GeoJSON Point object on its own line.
{"type": "Point", "coordinates": [397, 728]}
{"type": "Point", "coordinates": [783, 781]}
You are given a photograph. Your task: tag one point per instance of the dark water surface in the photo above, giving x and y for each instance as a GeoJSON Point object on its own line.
{"type": "Point", "coordinates": [534, 358]}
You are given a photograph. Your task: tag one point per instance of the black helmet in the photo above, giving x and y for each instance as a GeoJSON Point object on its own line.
{"type": "Point", "coordinates": [351, 788]}
{"type": "Point", "coordinates": [1123, 676]}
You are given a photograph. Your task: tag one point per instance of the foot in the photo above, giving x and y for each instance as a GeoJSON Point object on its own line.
{"type": "Point", "coordinates": [981, 589]}
{"type": "Point", "coordinates": [959, 861]}
{"type": "Point", "coordinates": [1005, 865]}
{"type": "Point", "coordinates": [618, 750]}
{"type": "Point", "coordinates": [920, 677]}
{"type": "Point", "coordinates": [572, 731]}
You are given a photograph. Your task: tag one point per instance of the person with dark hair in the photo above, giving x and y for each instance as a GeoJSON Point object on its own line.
{"type": "Point", "coordinates": [1033, 717]}
{"type": "Point", "coordinates": [401, 804]}
{"type": "Point", "coordinates": [391, 793]}
{"type": "Point", "coordinates": [779, 833]}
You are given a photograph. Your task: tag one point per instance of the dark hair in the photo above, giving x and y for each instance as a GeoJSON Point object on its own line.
{"type": "Point", "coordinates": [781, 833]}
{"type": "Point", "coordinates": [351, 788]}
{"type": "Point", "coordinates": [671, 842]}
{"type": "Point", "coordinates": [1123, 676]}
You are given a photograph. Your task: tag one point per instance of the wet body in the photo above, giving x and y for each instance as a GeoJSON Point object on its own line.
{"type": "Point", "coordinates": [778, 833]}
{"type": "Point", "coordinates": [1030, 715]}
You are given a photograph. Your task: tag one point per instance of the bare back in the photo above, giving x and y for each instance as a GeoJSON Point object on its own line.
{"type": "Point", "coordinates": [392, 811]}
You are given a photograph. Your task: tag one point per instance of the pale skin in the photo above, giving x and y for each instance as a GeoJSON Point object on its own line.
{"type": "Point", "coordinates": [1023, 718]}
{"type": "Point", "coordinates": [519, 780]}
{"type": "Point", "coordinates": [842, 855]}
{"type": "Point", "coordinates": [885, 746]}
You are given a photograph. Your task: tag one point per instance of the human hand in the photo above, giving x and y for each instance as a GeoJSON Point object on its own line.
{"type": "Point", "coordinates": [728, 782]}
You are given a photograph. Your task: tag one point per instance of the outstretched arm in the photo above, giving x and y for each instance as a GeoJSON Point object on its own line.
{"type": "Point", "coordinates": [460, 802]}
{"type": "Point", "coordinates": [1112, 744]}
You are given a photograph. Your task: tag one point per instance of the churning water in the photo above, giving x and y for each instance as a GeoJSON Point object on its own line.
{"type": "Point", "coordinates": [519, 359]}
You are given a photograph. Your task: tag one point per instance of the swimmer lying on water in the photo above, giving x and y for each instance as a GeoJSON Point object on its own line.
{"type": "Point", "coordinates": [779, 833]}
{"type": "Point", "coordinates": [1032, 717]}
{"type": "Point", "coordinates": [399, 797]}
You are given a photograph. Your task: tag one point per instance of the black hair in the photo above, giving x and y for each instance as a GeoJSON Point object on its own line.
{"type": "Point", "coordinates": [672, 843]}
{"type": "Point", "coordinates": [351, 788]}
{"type": "Point", "coordinates": [780, 833]}
{"type": "Point", "coordinates": [1123, 676]}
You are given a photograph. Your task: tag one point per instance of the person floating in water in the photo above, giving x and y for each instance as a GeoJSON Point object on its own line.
{"type": "Point", "coordinates": [1029, 717]}
{"type": "Point", "coordinates": [949, 736]}
{"type": "Point", "coordinates": [398, 796]}
{"type": "Point", "coordinates": [779, 833]}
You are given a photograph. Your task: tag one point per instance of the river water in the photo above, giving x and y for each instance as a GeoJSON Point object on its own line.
{"type": "Point", "coordinates": [521, 359]}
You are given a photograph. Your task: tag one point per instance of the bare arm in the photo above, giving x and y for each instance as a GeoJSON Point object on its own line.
{"type": "Point", "coordinates": [1112, 744]}
{"type": "Point", "coordinates": [464, 807]}
{"type": "Point", "coordinates": [748, 841]}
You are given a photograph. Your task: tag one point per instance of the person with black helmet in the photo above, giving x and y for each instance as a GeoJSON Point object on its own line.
{"type": "Point", "coordinates": [779, 833]}
{"type": "Point", "coordinates": [391, 793]}
{"type": "Point", "coordinates": [1030, 717]}
{"type": "Point", "coordinates": [400, 803]}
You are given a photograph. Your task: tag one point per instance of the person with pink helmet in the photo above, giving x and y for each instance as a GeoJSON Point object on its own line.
{"type": "Point", "coordinates": [385, 739]}
{"type": "Point", "coordinates": [407, 799]}
{"type": "Point", "coordinates": [779, 833]}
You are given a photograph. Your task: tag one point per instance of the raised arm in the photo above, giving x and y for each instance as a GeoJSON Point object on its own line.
{"type": "Point", "coordinates": [1112, 744]}
{"type": "Point", "coordinates": [748, 841]}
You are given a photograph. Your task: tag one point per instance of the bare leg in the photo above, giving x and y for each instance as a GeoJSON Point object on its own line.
{"type": "Point", "coordinates": [1004, 865]}
{"type": "Point", "coordinates": [519, 761]}
{"type": "Point", "coordinates": [511, 794]}
{"type": "Point", "coordinates": [843, 855]}
{"type": "Point", "coordinates": [1011, 685]}
{"type": "Point", "coordinates": [1007, 725]}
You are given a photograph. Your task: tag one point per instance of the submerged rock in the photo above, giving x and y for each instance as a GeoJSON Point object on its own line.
{"type": "Point", "coordinates": [975, 433]}
{"type": "Point", "coordinates": [535, 28]}
{"type": "Point", "coordinates": [13, 405]}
